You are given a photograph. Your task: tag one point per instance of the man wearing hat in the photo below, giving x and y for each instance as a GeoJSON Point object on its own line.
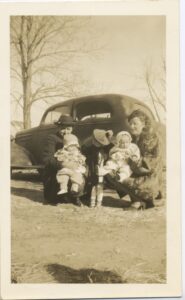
{"type": "Point", "coordinates": [54, 142]}
{"type": "Point", "coordinates": [97, 145]}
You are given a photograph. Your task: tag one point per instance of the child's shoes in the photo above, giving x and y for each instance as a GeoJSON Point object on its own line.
{"type": "Point", "coordinates": [62, 191]}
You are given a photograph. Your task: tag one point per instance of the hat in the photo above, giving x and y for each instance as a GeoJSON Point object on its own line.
{"type": "Point", "coordinates": [70, 139]}
{"type": "Point", "coordinates": [65, 120]}
{"type": "Point", "coordinates": [103, 137]}
{"type": "Point", "coordinates": [121, 134]}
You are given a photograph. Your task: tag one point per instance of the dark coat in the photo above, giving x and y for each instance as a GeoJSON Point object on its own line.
{"type": "Point", "coordinates": [51, 186]}
{"type": "Point", "coordinates": [91, 152]}
{"type": "Point", "coordinates": [144, 188]}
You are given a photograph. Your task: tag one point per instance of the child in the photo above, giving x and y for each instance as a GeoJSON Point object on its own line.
{"type": "Point", "coordinates": [96, 148]}
{"type": "Point", "coordinates": [72, 165]}
{"type": "Point", "coordinates": [120, 155]}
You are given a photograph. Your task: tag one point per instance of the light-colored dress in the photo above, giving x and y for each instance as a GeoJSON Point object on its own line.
{"type": "Point", "coordinates": [118, 162]}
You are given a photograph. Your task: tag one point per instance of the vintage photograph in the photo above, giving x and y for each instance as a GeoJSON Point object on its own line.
{"type": "Point", "coordinates": [88, 149]}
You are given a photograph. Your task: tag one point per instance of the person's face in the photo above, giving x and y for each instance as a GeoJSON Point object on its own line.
{"type": "Point", "coordinates": [136, 126]}
{"type": "Point", "coordinates": [72, 148]}
{"type": "Point", "coordinates": [124, 142]}
{"type": "Point", "coordinates": [66, 130]}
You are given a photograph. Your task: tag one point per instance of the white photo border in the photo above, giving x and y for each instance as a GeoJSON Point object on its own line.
{"type": "Point", "coordinates": [169, 8]}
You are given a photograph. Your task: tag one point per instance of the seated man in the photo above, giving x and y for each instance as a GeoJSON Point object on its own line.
{"type": "Point", "coordinates": [52, 165]}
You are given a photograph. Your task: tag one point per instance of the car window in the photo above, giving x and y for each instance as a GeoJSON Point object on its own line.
{"type": "Point", "coordinates": [93, 110]}
{"type": "Point", "coordinates": [53, 115]}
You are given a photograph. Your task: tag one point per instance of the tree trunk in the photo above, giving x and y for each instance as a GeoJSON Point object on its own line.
{"type": "Point", "coordinates": [27, 99]}
{"type": "Point", "coordinates": [26, 72]}
{"type": "Point", "coordinates": [27, 119]}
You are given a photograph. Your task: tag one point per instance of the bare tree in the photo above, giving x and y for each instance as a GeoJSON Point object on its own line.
{"type": "Point", "coordinates": [155, 81]}
{"type": "Point", "coordinates": [43, 50]}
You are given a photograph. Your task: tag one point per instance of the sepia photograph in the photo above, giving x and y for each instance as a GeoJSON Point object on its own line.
{"type": "Point", "coordinates": [89, 151]}
{"type": "Point", "coordinates": [88, 163]}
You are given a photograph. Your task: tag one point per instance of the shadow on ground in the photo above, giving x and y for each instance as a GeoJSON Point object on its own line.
{"type": "Point", "coordinates": [26, 176]}
{"type": "Point", "coordinates": [37, 196]}
{"type": "Point", "coordinates": [65, 274]}
{"type": "Point", "coordinates": [109, 201]}
{"type": "Point", "coordinates": [31, 194]}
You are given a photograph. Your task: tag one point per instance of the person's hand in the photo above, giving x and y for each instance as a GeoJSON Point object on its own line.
{"type": "Point", "coordinates": [113, 174]}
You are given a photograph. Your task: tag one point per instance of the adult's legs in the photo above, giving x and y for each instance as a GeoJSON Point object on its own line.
{"type": "Point", "coordinates": [128, 188]}
{"type": "Point", "coordinates": [112, 183]}
{"type": "Point", "coordinates": [51, 188]}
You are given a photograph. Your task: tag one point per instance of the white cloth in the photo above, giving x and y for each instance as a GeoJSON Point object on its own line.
{"type": "Point", "coordinates": [118, 161]}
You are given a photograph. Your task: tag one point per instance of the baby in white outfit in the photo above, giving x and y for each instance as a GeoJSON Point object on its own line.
{"type": "Point", "coordinates": [119, 156]}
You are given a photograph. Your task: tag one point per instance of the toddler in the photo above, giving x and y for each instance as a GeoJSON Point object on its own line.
{"type": "Point", "coordinates": [119, 156]}
{"type": "Point", "coordinates": [73, 165]}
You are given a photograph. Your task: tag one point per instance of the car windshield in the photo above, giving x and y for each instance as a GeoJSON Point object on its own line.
{"type": "Point", "coordinates": [53, 115]}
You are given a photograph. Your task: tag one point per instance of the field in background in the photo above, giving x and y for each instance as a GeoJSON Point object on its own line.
{"type": "Point", "coordinates": [68, 244]}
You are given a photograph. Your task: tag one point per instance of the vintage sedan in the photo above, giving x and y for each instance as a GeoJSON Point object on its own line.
{"type": "Point", "coordinates": [100, 111]}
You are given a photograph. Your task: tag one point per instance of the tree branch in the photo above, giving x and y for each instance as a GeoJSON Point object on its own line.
{"type": "Point", "coordinates": [17, 73]}
{"type": "Point", "coordinates": [17, 99]}
{"type": "Point", "coordinates": [151, 94]}
{"type": "Point", "coordinates": [157, 99]}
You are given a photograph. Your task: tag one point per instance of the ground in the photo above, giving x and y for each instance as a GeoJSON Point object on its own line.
{"type": "Point", "coordinates": [70, 244]}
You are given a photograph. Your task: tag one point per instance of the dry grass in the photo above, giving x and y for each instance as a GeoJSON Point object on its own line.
{"type": "Point", "coordinates": [66, 244]}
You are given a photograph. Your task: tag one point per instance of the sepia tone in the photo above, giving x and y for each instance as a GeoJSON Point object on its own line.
{"type": "Point", "coordinates": [54, 59]}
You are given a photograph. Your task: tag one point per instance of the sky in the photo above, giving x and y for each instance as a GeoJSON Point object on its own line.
{"type": "Point", "coordinates": [130, 42]}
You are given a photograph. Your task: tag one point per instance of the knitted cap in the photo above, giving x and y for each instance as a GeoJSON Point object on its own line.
{"type": "Point", "coordinates": [70, 139]}
{"type": "Point", "coordinates": [121, 134]}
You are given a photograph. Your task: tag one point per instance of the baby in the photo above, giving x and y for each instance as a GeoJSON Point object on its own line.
{"type": "Point", "coordinates": [119, 156]}
{"type": "Point", "coordinates": [73, 165]}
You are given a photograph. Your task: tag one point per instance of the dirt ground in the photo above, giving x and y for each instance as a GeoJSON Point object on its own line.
{"type": "Point", "coordinates": [69, 244]}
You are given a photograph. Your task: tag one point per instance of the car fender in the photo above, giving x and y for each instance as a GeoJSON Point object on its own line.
{"type": "Point", "coordinates": [20, 157]}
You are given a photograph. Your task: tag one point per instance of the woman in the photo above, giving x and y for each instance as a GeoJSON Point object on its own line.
{"type": "Point", "coordinates": [142, 188]}
{"type": "Point", "coordinates": [96, 149]}
{"type": "Point", "coordinates": [54, 143]}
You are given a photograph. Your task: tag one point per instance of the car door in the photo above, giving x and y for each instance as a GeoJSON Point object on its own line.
{"type": "Point", "coordinates": [47, 127]}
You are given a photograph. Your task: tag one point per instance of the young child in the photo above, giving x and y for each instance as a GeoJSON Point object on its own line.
{"type": "Point", "coordinates": [73, 165]}
{"type": "Point", "coordinates": [119, 156]}
{"type": "Point", "coordinates": [96, 148]}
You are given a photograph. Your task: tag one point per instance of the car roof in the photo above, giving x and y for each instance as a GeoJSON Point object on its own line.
{"type": "Point", "coordinates": [108, 97]}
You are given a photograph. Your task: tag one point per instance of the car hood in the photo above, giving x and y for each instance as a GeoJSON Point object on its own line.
{"type": "Point", "coordinates": [26, 131]}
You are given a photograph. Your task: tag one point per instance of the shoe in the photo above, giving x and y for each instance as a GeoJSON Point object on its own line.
{"type": "Point", "coordinates": [78, 202]}
{"type": "Point", "coordinates": [139, 205]}
{"type": "Point", "coordinates": [61, 192]}
{"type": "Point", "coordinates": [159, 196]}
